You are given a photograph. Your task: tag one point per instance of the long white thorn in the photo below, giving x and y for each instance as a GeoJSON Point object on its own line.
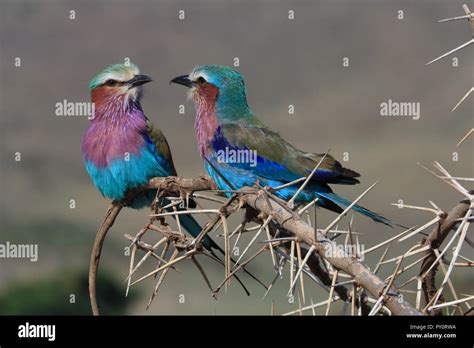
{"type": "Point", "coordinates": [467, 43]}
{"type": "Point", "coordinates": [262, 227]}
{"type": "Point", "coordinates": [463, 98]}
{"type": "Point", "coordinates": [455, 255]}
{"type": "Point", "coordinates": [465, 137]}
{"type": "Point", "coordinates": [349, 207]}
{"type": "Point", "coordinates": [300, 269]}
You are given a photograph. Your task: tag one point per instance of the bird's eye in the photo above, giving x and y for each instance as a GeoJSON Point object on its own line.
{"type": "Point", "coordinates": [110, 82]}
{"type": "Point", "coordinates": [200, 80]}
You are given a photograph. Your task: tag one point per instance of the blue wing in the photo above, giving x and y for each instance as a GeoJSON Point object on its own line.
{"type": "Point", "coordinates": [276, 159]}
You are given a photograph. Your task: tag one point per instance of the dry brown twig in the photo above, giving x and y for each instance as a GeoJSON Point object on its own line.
{"type": "Point", "coordinates": [291, 238]}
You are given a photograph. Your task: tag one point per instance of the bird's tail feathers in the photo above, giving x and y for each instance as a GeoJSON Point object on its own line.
{"type": "Point", "coordinates": [344, 202]}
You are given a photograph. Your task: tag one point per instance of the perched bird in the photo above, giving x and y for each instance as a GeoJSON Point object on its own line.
{"type": "Point", "coordinates": [239, 150]}
{"type": "Point", "coordinates": [122, 149]}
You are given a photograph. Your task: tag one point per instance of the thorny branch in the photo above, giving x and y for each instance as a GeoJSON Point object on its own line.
{"type": "Point", "coordinates": [433, 241]}
{"type": "Point", "coordinates": [309, 251]}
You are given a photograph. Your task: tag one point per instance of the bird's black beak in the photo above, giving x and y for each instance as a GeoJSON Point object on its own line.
{"type": "Point", "coordinates": [138, 80]}
{"type": "Point", "coordinates": [183, 80]}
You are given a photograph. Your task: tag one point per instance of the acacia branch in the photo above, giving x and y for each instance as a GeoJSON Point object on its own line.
{"type": "Point", "coordinates": [314, 264]}
{"type": "Point", "coordinates": [327, 249]}
{"type": "Point", "coordinates": [434, 240]}
{"type": "Point", "coordinates": [176, 184]}
{"type": "Point", "coordinates": [287, 220]}
{"type": "Point", "coordinates": [109, 219]}
{"type": "Point", "coordinates": [171, 185]}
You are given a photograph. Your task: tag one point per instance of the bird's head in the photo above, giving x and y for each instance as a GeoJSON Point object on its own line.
{"type": "Point", "coordinates": [118, 82]}
{"type": "Point", "coordinates": [218, 86]}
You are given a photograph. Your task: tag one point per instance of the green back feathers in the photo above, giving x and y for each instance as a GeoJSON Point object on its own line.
{"type": "Point", "coordinates": [273, 147]}
{"type": "Point", "coordinates": [161, 144]}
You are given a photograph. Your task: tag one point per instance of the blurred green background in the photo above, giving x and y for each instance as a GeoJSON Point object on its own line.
{"type": "Point", "coordinates": [284, 62]}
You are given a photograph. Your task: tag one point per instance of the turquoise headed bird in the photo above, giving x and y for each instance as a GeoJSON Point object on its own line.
{"type": "Point", "coordinates": [239, 150]}
{"type": "Point", "coordinates": [122, 149]}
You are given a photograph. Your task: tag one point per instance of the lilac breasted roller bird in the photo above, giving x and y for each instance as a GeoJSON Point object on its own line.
{"type": "Point", "coordinates": [122, 149]}
{"type": "Point", "coordinates": [239, 150]}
